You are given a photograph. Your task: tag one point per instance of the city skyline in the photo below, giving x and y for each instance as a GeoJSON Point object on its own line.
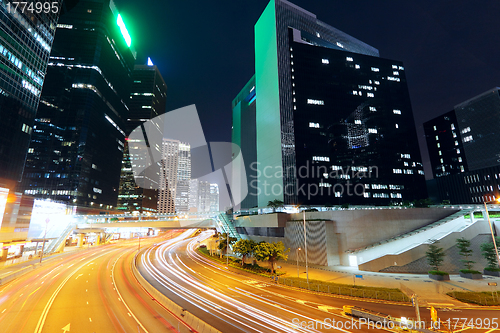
{"type": "Point", "coordinates": [447, 50]}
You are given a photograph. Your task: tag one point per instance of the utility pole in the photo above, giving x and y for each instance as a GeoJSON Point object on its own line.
{"type": "Point", "coordinates": [492, 233]}
{"type": "Point", "coordinates": [415, 304]}
{"type": "Point", "coordinates": [305, 246]}
{"type": "Point", "coordinates": [47, 220]}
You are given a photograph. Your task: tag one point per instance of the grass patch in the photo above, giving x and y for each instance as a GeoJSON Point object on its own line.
{"type": "Point", "coordinates": [493, 269]}
{"type": "Point", "coordinates": [388, 294]}
{"type": "Point", "coordinates": [479, 298]}
{"type": "Point", "coordinates": [438, 273]}
{"type": "Point", "coordinates": [469, 271]}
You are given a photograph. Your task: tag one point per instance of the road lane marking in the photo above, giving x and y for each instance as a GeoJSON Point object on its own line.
{"type": "Point", "coordinates": [4, 310]}
{"type": "Point", "coordinates": [493, 329]}
{"type": "Point", "coordinates": [78, 276]}
{"type": "Point", "coordinates": [90, 319]}
{"type": "Point", "coordinates": [45, 311]}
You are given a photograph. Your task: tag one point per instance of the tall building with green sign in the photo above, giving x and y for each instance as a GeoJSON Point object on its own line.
{"type": "Point", "coordinates": [79, 133]}
{"type": "Point", "coordinates": [333, 120]}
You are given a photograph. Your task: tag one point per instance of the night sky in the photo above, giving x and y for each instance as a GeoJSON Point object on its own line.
{"type": "Point", "coordinates": [204, 49]}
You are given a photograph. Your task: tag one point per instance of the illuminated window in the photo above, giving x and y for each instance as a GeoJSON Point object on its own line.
{"type": "Point", "coordinates": [394, 67]}
{"type": "Point", "coordinates": [372, 108]}
{"type": "Point", "coordinates": [440, 153]}
{"type": "Point", "coordinates": [376, 82]}
{"type": "Point", "coordinates": [435, 128]}
{"type": "Point", "coordinates": [452, 126]}
{"type": "Point", "coordinates": [315, 102]}
{"type": "Point", "coordinates": [321, 158]}
{"type": "Point", "coordinates": [372, 130]}
{"type": "Point", "coordinates": [375, 69]}
{"type": "Point", "coordinates": [406, 156]}
{"type": "Point", "coordinates": [314, 125]}
{"type": "Point", "coordinates": [396, 111]}
{"type": "Point", "coordinates": [325, 61]}
{"type": "Point", "coordinates": [370, 94]}
{"type": "Point", "coordinates": [437, 137]}
{"type": "Point", "coordinates": [397, 126]}
{"type": "Point", "coordinates": [357, 122]}
{"type": "Point", "coordinates": [392, 78]}
{"type": "Point", "coordinates": [357, 66]}
{"type": "Point", "coordinates": [348, 59]}
{"type": "Point", "coordinates": [397, 171]}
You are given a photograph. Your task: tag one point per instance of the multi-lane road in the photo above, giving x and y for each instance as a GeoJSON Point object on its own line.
{"type": "Point", "coordinates": [92, 290]}
{"type": "Point", "coordinates": [239, 302]}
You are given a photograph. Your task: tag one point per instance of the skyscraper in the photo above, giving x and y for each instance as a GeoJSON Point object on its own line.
{"type": "Point", "coordinates": [214, 198]}
{"type": "Point", "coordinates": [464, 150]}
{"type": "Point", "coordinates": [333, 120]}
{"type": "Point", "coordinates": [25, 46]}
{"type": "Point", "coordinates": [147, 101]}
{"type": "Point", "coordinates": [183, 178]}
{"type": "Point", "coordinates": [79, 137]}
{"type": "Point", "coordinates": [168, 176]}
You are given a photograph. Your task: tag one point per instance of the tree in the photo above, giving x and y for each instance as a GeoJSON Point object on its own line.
{"type": "Point", "coordinates": [223, 243]}
{"type": "Point", "coordinates": [270, 252]}
{"type": "Point", "coordinates": [422, 203]}
{"type": "Point", "coordinates": [344, 206]}
{"type": "Point", "coordinates": [463, 246]}
{"type": "Point", "coordinates": [244, 247]}
{"type": "Point", "coordinates": [435, 256]}
{"type": "Point", "coordinates": [489, 253]}
{"type": "Point", "coordinates": [275, 204]}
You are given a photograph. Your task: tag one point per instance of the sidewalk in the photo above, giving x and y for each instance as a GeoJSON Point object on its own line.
{"type": "Point", "coordinates": [430, 292]}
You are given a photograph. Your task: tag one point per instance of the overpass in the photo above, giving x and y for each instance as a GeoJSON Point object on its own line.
{"type": "Point", "coordinates": [165, 221]}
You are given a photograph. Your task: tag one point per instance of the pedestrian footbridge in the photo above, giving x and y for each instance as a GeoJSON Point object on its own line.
{"type": "Point", "coordinates": [164, 221]}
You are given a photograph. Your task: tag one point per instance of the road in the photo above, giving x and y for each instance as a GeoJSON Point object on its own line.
{"type": "Point", "coordinates": [91, 290]}
{"type": "Point", "coordinates": [234, 301]}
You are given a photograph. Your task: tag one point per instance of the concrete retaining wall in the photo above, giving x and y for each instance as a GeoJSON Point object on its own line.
{"type": "Point", "coordinates": [480, 227]}
{"type": "Point", "coordinates": [190, 322]}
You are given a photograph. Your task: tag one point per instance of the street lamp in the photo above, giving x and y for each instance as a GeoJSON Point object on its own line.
{"type": "Point", "coordinates": [47, 220]}
{"type": "Point", "coordinates": [305, 245]}
{"type": "Point", "coordinates": [491, 228]}
{"type": "Point", "coordinates": [298, 249]}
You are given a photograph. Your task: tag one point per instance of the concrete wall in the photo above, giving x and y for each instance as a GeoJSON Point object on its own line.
{"type": "Point", "coordinates": [480, 227]}
{"type": "Point", "coordinates": [331, 233]}
{"type": "Point", "coordinates": [265, 220]}
{"type": "Point", "coordinates": [359, 228]}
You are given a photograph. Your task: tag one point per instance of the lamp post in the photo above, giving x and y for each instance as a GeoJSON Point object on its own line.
{"type": "Point", "coordinates": [227, 248]}
{"type": "Point", "coordinates": [298, 249]}
{"type": "Point", "coordinates": [305, 245]}
{"type": "Point", "coordinates": [491, 229]}
{"type": "Point", "coordinates": [47, 220]}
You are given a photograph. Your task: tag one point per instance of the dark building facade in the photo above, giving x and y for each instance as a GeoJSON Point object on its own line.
{"type": "Point", "coordinates": [334, 122]}
{"type": "Point", "coordinates": [25, 45]}
{"type": "Point", "coordinates": [464, 152]}
{"type": "Point", "coordinates": [79, 134]}
{"type": "Point", "coordinates": [147, 101]}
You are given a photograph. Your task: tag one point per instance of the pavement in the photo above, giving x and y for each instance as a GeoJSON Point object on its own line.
{"type": "Point", "coordinates": [430, 292]}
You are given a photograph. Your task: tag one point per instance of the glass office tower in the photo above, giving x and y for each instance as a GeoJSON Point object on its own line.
{"type": "Point", "coordinates": [333, 121]}
{"type": "Point", "coordinates": [79, 134]}
{"type": "Point", "coordinates": [464, 150]}
{"type": "Point", "coordinates": [25, 45]}
{"type": "Point", "coordinates": [147, 101]}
